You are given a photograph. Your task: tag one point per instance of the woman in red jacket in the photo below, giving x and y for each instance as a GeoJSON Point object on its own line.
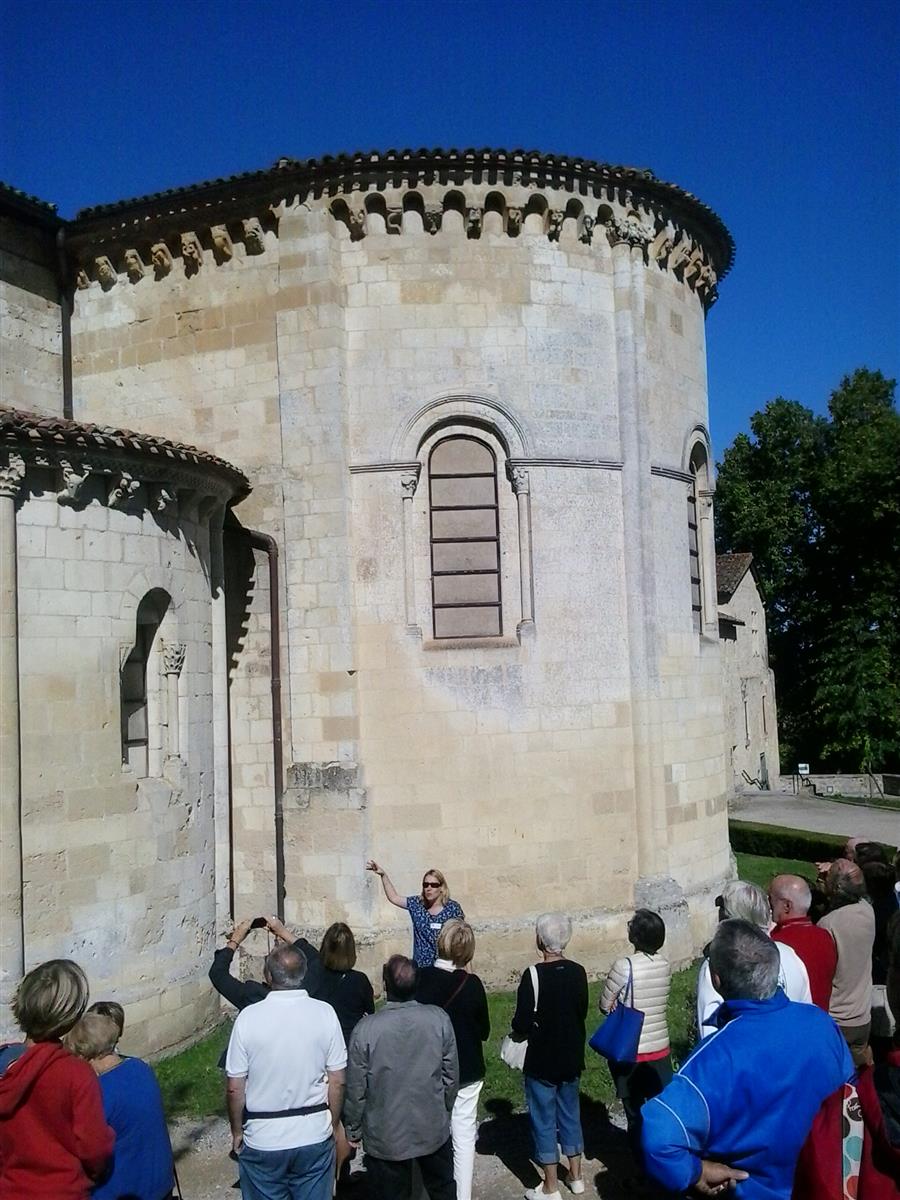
{"type": "Point", "coordinates": [54, 1140]}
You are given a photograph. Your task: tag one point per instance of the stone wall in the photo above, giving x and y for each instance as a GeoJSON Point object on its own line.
{"type": "Point", "coordinates": [30, 329]}
{"type": "Point", "coordinates": [118, 870]}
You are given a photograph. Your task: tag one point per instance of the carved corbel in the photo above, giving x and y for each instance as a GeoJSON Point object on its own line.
{"type": "Point", "coordinates": [513, 221]}
{"type": "Point", "coordinates": [434, 215]}
{"type": "Point", "coordinates": [106, 273]}
{"type": "Point", "coordinates": [628, 231]}
{"type": "Point", "coordinates": [556, 217]}
{"type": "Point", "coordinates": [125, 648]}
{"type": "Point", "coordinates": [223, 247]}
{"type": "Point", "coordinates": [74, 481]}
{"type": "Point", "coordinates": [191, 253]}
{"type": "Point", "coordinates": [662, 247]}
{"type": "Point", "coordinates": [586, 233]}
{"type": "Point", "coordinates": [680, 255]}
{"type": "Point", "coordinates": [393, 220]}
{"type": "Point", "coordinates": [161, 257]}
{"type": "Point", "coordinates": [12, 472]}
{"type": "Point", "coordinates": [81, 279]}
{"type": "Point", "coordinates": [173, 657]}
{"type": "Point", "coordinates": [518, 478]}
{"type": "Point", "coordinates": [164, 499]}
{"type": "Point", "coordinates": [473, 222]}
{"type": "Point", "coordinates": [122, 488]}
{"type": "Point", "coordinates": [409, 481]}
{"type": "Point", "coordinates": [356, 223]}
{"type": "Point", "coordinates": [254, 238]}
{"type": "Point", "coordinates": [134, 266]}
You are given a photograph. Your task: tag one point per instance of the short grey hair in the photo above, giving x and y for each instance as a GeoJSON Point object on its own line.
{"type": "Point", "coordinates": [745, 961]}
{"type": "Point", "coordinates": [554, 931]}
{"type": "Point", "coordinates": [286, 967]}
{"type": "Point", "coordinates": [745, 901]}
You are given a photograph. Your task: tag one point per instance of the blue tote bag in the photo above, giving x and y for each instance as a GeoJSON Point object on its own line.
{"type": "Point", "coordinates": [619, 1036]}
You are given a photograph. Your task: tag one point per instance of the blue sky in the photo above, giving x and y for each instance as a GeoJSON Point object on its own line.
{"type": "Point", "coordinates": [783, 117]}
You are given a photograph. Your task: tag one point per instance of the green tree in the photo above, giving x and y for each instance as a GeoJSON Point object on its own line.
{"type": "Point", "coordinates": [817, 501]}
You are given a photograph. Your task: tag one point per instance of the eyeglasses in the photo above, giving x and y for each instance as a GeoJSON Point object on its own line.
{"type": "Point", "coordinates": [428, 883]}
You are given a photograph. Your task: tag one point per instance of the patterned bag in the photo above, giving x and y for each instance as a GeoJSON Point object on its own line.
{"type": "Point", "coordinates": [852, 1132]}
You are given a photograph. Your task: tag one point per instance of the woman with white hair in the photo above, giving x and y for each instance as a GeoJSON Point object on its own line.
{"type": "Point", "coordinates": [745, 901]}
{"type": "Point", "coordinates": [554, 1060]}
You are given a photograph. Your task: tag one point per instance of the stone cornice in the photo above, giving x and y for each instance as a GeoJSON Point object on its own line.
{"type": "Point", "coordinates": [120, 462]}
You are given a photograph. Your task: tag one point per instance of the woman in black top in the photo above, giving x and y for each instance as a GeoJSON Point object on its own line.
{"type": "Point", "coordinates": [348, 992]}
{"type": "Point", "coordinates": [450, 985]}
{"type": "Point", "coordinates": [555, 1056]}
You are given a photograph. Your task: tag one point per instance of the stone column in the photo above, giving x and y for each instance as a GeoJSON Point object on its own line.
{"type": "Point", "coordinates": [12, 937]}
{"type": "Point", "coordinates": [628, 244]}
{"type": "Point", "coordinates": [409, 481]}
{"type": "Point", "coordinates": [173, 660]}
{"type": "Point", "coordinates": [518, 477]}
{"type": "Point", "coordinates": [706, 541]}
{"type": "Point", "coordinates": [221, 723]}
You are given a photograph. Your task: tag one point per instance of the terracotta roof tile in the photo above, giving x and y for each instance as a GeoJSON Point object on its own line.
{"type": "Point", "coordinates": [730, 570]}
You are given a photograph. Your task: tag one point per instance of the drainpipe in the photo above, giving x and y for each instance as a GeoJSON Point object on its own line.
{"type": "Point", "coordinates": [65, 317]}
{"type": "Point", "coordinates": [268, 545]}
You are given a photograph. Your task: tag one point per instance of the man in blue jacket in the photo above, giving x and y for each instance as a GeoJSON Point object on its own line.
{"type": "Point", "coordinates": [738, 1111]}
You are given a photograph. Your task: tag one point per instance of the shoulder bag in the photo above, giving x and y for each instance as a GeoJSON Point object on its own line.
{"type": "Point", "coordinates": [619, 1036]}
{"type": "Point", "coordinates": [511, 1051]}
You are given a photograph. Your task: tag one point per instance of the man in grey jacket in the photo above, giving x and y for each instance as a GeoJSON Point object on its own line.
{"type": "Point", "coordinates": [402, 1079]}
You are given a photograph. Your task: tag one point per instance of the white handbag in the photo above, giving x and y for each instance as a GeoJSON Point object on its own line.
{"type": "Point", "coordinates": [513, 1052]}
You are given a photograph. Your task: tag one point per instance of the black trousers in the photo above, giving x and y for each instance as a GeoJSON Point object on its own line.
{"type": "Point", "coordinates": [393, 1180]}
{"type": "Point", "coordinates": [636, 1083]}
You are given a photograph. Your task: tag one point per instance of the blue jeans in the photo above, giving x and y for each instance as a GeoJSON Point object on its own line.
{"type": "Point", "coordinates": [555, 1115]}
{"type": "Point", "coordinates": [306, 1173]}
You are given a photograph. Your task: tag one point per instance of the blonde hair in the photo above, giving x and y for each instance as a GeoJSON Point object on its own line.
{"type": "Point", "coordinates": [444, 893]}
{"type": "Point", "coordinates": [456, 942]}
{"type": "Point", "coordinates": [93, 1036]}
{"type": "Point", "coordinates": [111, 1009]}
{"type": "Point", "coordinates": [50, 999]}
{"type": "Point", "coordinates": [338, 949]}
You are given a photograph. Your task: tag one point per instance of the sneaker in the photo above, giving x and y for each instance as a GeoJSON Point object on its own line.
{"type": "Point", "coordinates": [538, 1193]}
{"type": "Point", "coordinates": [576, 1187]}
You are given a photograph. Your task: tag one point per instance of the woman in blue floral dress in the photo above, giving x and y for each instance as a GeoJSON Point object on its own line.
{"type": "Point", "coordinates": [427, 911]}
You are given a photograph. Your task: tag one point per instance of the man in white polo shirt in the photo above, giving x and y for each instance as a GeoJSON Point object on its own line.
{"type": "Point", "coordinates": [285, 1067]}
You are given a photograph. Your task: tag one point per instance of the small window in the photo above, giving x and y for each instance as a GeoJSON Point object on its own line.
{"type": "Point", "coordinates": [465, 539]}
{"type": "Point", "coordinates": [133, 684]}
{"type": "Point", "coordinates": [699, 480]}
{"type": "Point", "coordinates": [765, 722]}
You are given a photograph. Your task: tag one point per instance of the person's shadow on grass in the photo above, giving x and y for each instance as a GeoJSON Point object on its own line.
{"type": "Point", "coordinates": [505, 1135]}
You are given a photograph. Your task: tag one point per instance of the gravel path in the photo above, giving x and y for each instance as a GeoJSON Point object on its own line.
{"type": "Point", "coordinates": [819, 816]}
{"type": "Point", "coordinates": [502, 1167]}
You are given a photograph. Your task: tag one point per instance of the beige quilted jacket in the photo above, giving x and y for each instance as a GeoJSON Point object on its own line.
{"type": "Point", "coordinates": [652, 976]}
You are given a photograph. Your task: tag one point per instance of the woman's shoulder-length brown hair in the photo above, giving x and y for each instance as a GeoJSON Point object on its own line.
{"type": "Point", "coordinates": [338, 949]}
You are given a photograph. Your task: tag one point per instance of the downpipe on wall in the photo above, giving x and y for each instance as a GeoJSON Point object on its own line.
{"type": "Point", "coordinates": [65, 321]}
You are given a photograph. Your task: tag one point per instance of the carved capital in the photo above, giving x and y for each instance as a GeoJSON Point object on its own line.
{"type": "Point", "coordinates": [223, 247]}
{"type": "Point", "coordinates": [513, 221]}
{"type": "Point", "coordinates": [254, 238]}
{"type": "Point", "coordinates": [173, 657]}
{"type": "Point", "coordinates": [393, 220]}
{"type": "Point", "coordinates": [106, 273]}
{"type": "Point", "coordinates": [191, 253]}
{"type": "Point", "coordinates": [81, 279]}
{"type": "Point", "coordinates": [134, 266]}
{"type": "Point", "coordinates": [12, 472]}
{"type": "Point", "coordinates": [432, 219]}
{"type": "Point", "coordinates": [409, 481]}
{"type": "Point", "coordinates": [555, 224]}
{"type": "Point", "coordinates": [73, 480]}
{"type": "Point", "coordinates": [518, 477]}
{"type": "Point", "coordinates": [627, 231]}
{"type": "Point", "coordinates": [121, 489]}
{"type": "Point", "coordinates": [161, 258]}
{"type": "Point", "coordinates": [165, 499]}
{"type": "Point", "coordinates": [473, 222]}
{"type": "Point", "coordinates": [586, 232]}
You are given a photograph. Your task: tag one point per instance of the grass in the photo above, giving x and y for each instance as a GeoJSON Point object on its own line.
{"type": "Point", "coordinates": [193, 1084]}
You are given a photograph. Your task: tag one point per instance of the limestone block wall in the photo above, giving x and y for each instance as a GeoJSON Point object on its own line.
{"type": "Point", "coordinates": [118, 870]}
{"type": "Point", "coordinates": [750, 727]}
{"type": "Point", "coordinates": [30, 320]}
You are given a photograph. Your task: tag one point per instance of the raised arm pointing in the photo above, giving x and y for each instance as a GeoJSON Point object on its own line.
{"type": "Point", "coordinates": [389, 890]}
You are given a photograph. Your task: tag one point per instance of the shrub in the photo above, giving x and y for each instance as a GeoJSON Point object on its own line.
{"type": "Point", "coordinates": [749, 837]}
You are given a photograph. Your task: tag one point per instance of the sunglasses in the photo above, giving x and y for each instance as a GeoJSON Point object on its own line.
{"type": "Point", "coordinates": [428, 884]}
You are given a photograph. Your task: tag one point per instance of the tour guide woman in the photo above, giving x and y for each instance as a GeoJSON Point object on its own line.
{"type": "Point", "coordinates": [428, 912]}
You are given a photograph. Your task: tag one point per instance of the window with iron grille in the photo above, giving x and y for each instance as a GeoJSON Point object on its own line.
{"type": "Point", "coordinates": [465, 539]}
{"type": "Point", "coordinates": [694, 555]}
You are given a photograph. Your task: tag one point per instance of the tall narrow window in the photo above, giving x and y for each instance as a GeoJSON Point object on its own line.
{"type": "Point", "coordinates": [133, 683]}
{"type": "Point", "coordinates": [694, 556]}
{"type": "Point", "coordinates": [465, 539]}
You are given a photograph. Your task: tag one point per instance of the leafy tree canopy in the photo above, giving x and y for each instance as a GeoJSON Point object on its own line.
{"type": "Point", "coordinates": [817, 502]}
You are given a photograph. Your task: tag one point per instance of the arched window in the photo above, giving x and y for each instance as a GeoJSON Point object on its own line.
{"type": "Point", "coordinates": [699, 483]}
{"type": "Point", "coordinates": [133, 683]}
{"type": "Point", "coordinates": [465, 539]}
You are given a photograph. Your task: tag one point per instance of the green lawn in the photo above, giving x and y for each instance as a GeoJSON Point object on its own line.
{"type": "Point", "coordinates": [193, 1085]}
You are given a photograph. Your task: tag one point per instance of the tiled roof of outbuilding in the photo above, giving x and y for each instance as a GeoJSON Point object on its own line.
{"type": "Point", "coordinates": [19, 427]}
{"type": "Point", "coordinates": [730, 570]}
{"type": "Point", "coordinates": [29, 206]}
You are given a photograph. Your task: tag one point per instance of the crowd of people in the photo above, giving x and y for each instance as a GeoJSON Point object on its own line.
{"type": "Point", "coordinates": [792, 1091]}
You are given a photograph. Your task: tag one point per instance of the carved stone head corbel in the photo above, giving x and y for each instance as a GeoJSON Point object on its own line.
{"type": "Point", "coordinates": [134, 266]}
{"type": "Point", "coordinates": [106, 273]}
{"type": "Point", "coordinates": [161, 258]}
{"type": "Point", "coordinates": [254, 238]}
{"type": "Point", "coordinates": [223, 247]}
{"type": "Point", "coordinates": [191, 253]}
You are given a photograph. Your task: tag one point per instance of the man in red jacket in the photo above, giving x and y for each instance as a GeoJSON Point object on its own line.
{"type": "Point", "coordinates": [54, 1140]}
{"type": "Point", "coordinates": [790, 898]}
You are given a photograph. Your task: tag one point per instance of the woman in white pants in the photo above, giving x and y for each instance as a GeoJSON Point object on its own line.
{"type": "Point", "coordinates": [451, 985]}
